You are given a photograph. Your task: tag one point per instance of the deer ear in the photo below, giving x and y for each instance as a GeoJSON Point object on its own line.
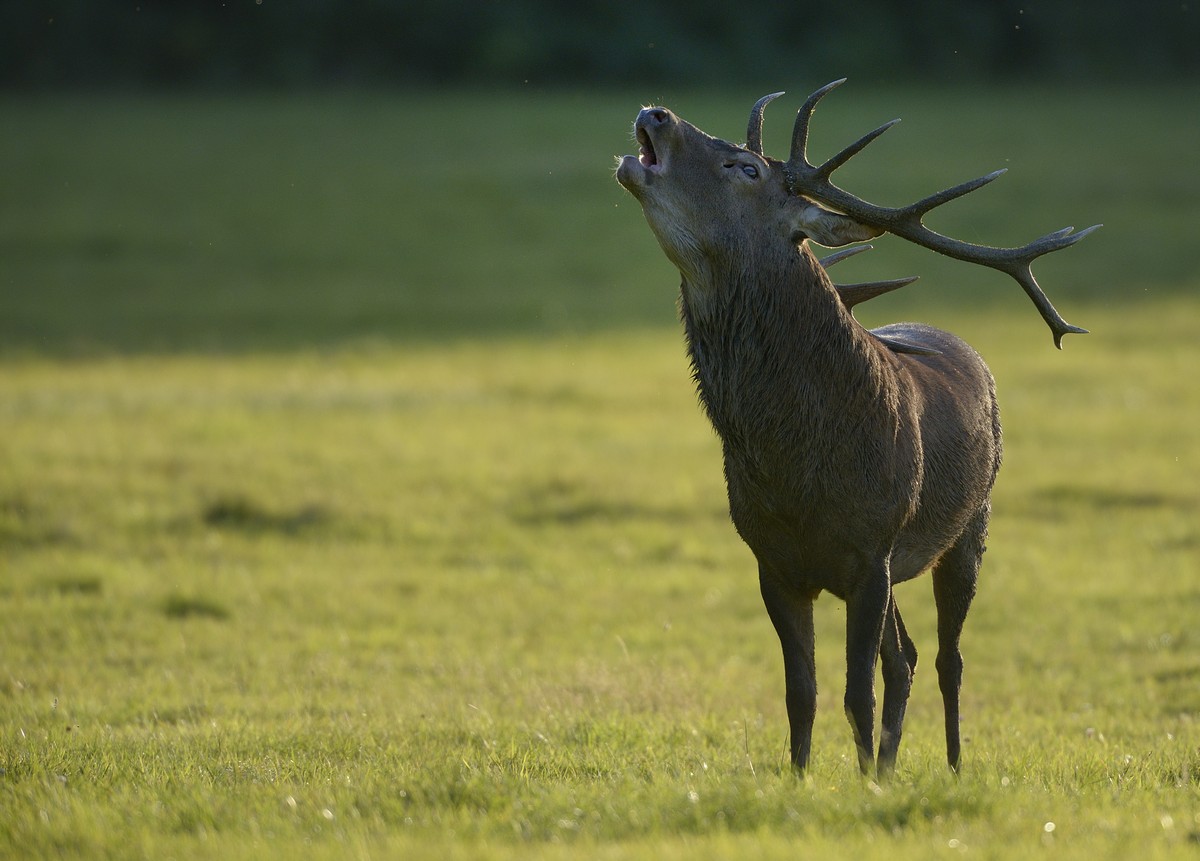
{"type": "Point", "coordinates": [830, 229]}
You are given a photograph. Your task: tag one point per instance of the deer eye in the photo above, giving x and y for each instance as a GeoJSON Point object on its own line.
{"type": "Point", "coordinates": [745, 167]}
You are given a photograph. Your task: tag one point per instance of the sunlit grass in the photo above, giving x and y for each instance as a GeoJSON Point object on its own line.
{"type": "Point", "coordinates": [488, 595]}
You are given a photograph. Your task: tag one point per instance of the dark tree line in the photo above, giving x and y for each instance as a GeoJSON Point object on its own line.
{"type": "Point", "coordinates": [75, 43]}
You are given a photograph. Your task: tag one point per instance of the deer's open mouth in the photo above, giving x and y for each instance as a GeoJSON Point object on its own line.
{"type": "Point", "coordinates": [646, 154]}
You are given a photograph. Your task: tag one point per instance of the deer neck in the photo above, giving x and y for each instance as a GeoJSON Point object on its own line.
{"type": "Point", "coordinates": [779, 362]}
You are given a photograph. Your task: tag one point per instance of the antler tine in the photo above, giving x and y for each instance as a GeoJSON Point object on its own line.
{"type": "Point", "coordinates": [754, 129]}
{"type": "Point", "coordinates": [935, 200]}
{"type": "Point", "coordinates": [799, 155]}
{"type": "Point", "coordinates": [1061, 239]}
{"type": "Point", "coordinates": [845, 253]}
{"type": "Point", "coordinates": [854, 149]}
{"type": "Point", "coordinates": [906, 222]}
{"type": "Point", "coordinates": [856, 294]}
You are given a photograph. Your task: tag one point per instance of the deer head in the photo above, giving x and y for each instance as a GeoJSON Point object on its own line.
{"type": "Point", "coordinates": [711, 202]}
{"type": "Point", "coordinates": [708, 200]}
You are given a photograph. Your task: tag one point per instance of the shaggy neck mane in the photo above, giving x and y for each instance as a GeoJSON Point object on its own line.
{"type": "Point", "coordinates": [778, 359]}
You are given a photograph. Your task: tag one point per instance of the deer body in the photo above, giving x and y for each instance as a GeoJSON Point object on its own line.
{"type": "Point", "coordinates": [834, 446]}
{"type": "Point", "coordinates": [854, 460]}
{"type": "Point", "coordinates": [849, 469]}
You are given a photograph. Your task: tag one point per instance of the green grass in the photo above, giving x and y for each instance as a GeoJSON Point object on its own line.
{"type": "Point", "coordinates": [375, 517]}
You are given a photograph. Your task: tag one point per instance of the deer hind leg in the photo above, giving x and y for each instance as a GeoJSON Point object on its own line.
{"type": "Point", "coordinates": [792, 615]}
{"type": "Point", "coordinates": [899, 658]}
{"type": "Point", "coordinates": [866, 609]}
{"type": "Point", "coordinates": [954, 579]}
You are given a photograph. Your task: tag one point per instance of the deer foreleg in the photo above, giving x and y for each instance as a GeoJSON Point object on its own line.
{"type": "Point", "coordinates": [792, 615]}
{"type": "Point", "coordinates": [866, 610]}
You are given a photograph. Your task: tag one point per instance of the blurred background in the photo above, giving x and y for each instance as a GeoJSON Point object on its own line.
{"type": "Point", "coordinates": [262, 174]}
{"type": "Point", "coordinates": [585, 42]}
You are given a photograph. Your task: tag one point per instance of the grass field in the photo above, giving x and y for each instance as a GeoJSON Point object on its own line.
{"type": "Point", "coordinates": [354, 499]}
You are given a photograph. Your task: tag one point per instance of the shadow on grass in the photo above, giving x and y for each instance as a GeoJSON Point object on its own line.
{"type": "Point", "coordinates": [194, 607]}
{"type": "Point", "coordinates": [1050, 502]}
{"type": "Point", "coordinates": [243, 514]}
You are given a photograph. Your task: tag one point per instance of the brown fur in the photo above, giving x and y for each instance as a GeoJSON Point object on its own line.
{"type": "Point", "coordinates": [850, 468]}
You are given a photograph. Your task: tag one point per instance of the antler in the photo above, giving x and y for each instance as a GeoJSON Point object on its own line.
{"type": "Point", "coordinates": [854, 294]}
{"type": "Point", "coordinates": [906, 222]}
{"type": "Point", "coordinates": [754, 130]}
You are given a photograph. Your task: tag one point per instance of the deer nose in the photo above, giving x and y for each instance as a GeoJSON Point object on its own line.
{"type": "Point", "coordinates": [654, 117]}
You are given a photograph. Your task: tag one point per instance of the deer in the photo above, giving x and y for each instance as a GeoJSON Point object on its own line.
{"type": "Point", "coordinates": [855, 459]}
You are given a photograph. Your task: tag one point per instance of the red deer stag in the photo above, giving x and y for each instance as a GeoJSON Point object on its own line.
{"type": "Point", "coordinates": [854, 459]}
